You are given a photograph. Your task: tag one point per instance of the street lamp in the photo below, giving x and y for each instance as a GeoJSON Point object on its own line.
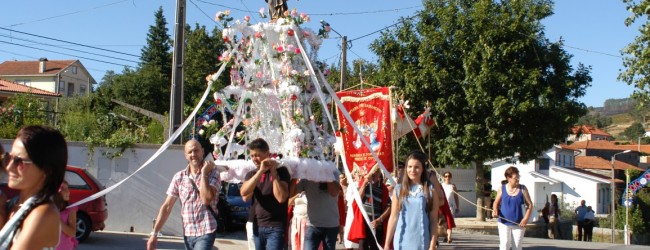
{"type": "Point", "coordinates": [613, 187]}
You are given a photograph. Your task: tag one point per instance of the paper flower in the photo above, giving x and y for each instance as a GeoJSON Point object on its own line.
{"type": "Point", "coordinates": [262, 13]}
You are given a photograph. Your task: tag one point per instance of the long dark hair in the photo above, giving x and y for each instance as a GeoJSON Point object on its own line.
{"type": "Point", "coordinates": [58, 198]}
{"type": "Point", "coordinates": [48, 150]}
{"type": "Point", "coordinates": [424, 179]}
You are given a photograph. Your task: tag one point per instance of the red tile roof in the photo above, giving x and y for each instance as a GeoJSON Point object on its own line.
{"type": "Point", "coordinates": [582, 171]}
{"type": "Point", "coordinates": [590, 144]}
{"type": "Point", "coordinates": [635, 147]}
{"type": "Point", "coordinates": [595, 162]}
{"type": "Point", "coordinates": [32, 67]}
{"type": "Point", "coordinates": [588, 129]}
{"type": "Point", "coordinates": [8, 86]}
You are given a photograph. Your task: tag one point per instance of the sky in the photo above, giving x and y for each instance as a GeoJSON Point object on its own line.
{"type": "Point", "coordinates": [593, 31]}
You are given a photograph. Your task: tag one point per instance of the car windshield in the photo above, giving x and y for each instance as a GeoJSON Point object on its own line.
{"type": "Point", "coordinates": [233, 189]}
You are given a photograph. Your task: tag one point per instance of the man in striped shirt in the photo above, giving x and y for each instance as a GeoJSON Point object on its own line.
{"type": "Point", "coordinates": [196, 187]}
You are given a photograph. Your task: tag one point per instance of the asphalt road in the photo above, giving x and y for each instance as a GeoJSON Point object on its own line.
{"type": "Point", "coordinates": [237, 241]}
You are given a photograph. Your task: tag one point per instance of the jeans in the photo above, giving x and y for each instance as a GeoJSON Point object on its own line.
{"type": "Point", "coordinates": [269, 238]}
{"type": "Point", "coordinates": [581, 229]}
{"type": "Point", "coordinates": [510, 236]}
{"type": "Point", "coordinates": [315, 235]}
{"type": "Point", "coordinates": [203, 242]}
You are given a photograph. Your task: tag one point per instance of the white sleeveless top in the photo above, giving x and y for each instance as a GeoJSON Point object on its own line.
{"type": "Point", "coordinates": [449, 194]}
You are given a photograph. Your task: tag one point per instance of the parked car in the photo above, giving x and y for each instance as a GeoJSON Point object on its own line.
{"type": "Point", "coordinates": [233, 211]}
{"type": "Point", "coordinates": [91, 215]}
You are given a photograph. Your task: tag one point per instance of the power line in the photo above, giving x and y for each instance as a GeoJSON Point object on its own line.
{"type": "Point", "coordinates": [593, 51]}
{"type": "Point", "coordinates": [65, 54]}
{"type": "Point", "coordinates": [206, 14]}
{"type": "Point", "coordinates": [35, 58]}
{"type": "Point", "coordinates": [363, 12]}
{"type": "Point", "coordinates": [39, 43]}
{"type": "Point", "coordinates": [67, 14]}
{"type": "Point", "coordinates": [224, 6]}
{"type": "Point", "coordinates": [63, 41]}
{"type": "Point", "coordinates": [385, 28]}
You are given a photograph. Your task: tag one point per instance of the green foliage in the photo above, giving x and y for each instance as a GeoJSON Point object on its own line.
{"type": "Point", "coordinates": [154, 133]}
{"type": "Point", "coordinates": [156, 53]}
{"type": "Point", "coordinates": [596, 120]}
{"type": "Point", "coordinates": [497, 86]}
{"type": "Point", "coordinates": [636, 61]}
{"type": "Point", "coordinates": [21, 110]}
{"type": "Point", "coordinates": [634, 131]}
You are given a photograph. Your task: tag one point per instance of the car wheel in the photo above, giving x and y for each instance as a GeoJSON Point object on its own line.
{"type": "Point", "coordinates": [84, 227]}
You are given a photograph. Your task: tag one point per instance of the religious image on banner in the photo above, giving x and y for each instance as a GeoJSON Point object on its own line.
{"type": "Point", "coordinates": [370, 111]}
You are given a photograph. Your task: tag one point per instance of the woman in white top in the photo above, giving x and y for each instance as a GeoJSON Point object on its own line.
{"type": "Point", "coordinates": [451, 193]}
{"type": "Point", "coordinates": [36, 168]}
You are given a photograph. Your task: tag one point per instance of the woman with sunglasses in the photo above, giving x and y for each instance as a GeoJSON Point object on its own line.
{"type": "Point", "coordinates": [35, 168]}
{"type": "Point", "coordinates": [414, 209]}
{"type": "Point", "coordinates": [451, 195]}
{"type": "Point", "coordinates": [508, 207]}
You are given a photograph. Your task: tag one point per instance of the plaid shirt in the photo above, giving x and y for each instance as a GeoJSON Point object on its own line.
{"type": "Point", "coordinates": [197, 220]}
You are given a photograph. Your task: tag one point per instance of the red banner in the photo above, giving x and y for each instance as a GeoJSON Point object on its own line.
{"type": "Point", "coordinates": [370, 110]}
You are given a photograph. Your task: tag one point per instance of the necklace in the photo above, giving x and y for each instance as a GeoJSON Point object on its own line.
{"type": "Point", "coordinates": [415, 192]}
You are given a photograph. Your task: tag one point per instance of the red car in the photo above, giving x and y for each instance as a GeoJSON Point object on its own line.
{"type": "Point", "coordinates": [91, 215]}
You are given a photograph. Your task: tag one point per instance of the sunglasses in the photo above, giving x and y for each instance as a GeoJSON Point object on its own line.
{"type": "Point", "coordinates": [447, 176]}
{"type": "Point", "coordinates": [16, 160]}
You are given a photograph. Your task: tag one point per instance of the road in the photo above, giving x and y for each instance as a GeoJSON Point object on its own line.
{"type": "Point", "coordinates": [236, 241]}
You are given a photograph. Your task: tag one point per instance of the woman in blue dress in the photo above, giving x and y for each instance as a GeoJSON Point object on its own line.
{"type": "Point", "coordinates": [414, 209]}
{"type": "Point", "coordinates": [512, 198]}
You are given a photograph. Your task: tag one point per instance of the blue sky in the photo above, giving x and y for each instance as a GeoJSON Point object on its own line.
{"type": "Point", "coordinates": [593, 30]}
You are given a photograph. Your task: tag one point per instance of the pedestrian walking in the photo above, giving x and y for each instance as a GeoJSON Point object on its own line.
{"type": "Point", "coordinates": [196, 187]}
{"type": "Point", "coordinates": [581, 211]}
{"type": "Point", "coordinates": [451, 194]}
{"type": "Point", "coordinates": [268, 187]}
{"type": "Point", "coordinates": [590, 220]}
{"type": "Point", "coordinates": [67, 241]}
{"type": "Point", "coordinates": [413, 218]}
{"type": "Point", "coordinates": [322, 212]}
{"type": "Point", "coordinates": [36, 168]}
{"type": "Point", "coordinates": [508, 207]}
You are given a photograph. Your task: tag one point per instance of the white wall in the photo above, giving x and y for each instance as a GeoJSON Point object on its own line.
{"type": "Point", "coordinates": [135, 203]}
{"type": "Point", "coordinates": [574, 191]}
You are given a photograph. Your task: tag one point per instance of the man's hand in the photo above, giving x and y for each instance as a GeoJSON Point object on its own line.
{"type": "Point", "coordinates": [207, 168]}
{"type": "Point", "coordinates": [152, 242]}
{"type": "Point", "coordinates": [268, 164]}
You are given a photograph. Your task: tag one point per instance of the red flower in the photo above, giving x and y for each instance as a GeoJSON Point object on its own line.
{"type": "Point", "coordinates": [290, 32]}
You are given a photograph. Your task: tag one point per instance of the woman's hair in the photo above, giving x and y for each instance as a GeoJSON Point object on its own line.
{"type": "Point", "coordinates": [512, 170]}
{"type": "Point", "coordinates": [48, 150]}
{"type": "Point", "coordinates": [447, 173]}
{"type": "Point", "coordinates": [424, 180]}
{"type": "Point", "coordinates": [58, 198]}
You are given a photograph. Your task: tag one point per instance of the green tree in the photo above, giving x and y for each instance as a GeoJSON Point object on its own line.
{"type": "Point", "coordinates": [157, 51]}
{"type": "Point", "coordinates": [497, 86]}
{"type": "Point", "coordinates": [21, 110]}
{"type": "Point", "coordinates": [200, 59]}
{"type": "Point", "coordinates": [634, 131]}
{"type": "Point", "coordinates": [595, 120]}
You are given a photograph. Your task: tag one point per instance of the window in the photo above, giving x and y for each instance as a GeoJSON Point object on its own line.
{"type": "Point", "coordinates": [70, 89]}
{"type": "Point", "coordinates": [73, 69]}
{"type": "Point", "coordinates": [543, 163]}
{"type": "Point", "coordinates": [24, 82]}
{"type": "Point", "coordinates": [61, 87]}
{"type": "Point", "coordinates": [82, 89]}
{"type": "Point", "coordinates": [75, 181]}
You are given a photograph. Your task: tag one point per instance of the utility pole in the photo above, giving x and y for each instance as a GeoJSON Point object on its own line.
{"type": "Point", "coordinates": [176, 100]}
{"type": "Point", "coordinates": [344, 62]}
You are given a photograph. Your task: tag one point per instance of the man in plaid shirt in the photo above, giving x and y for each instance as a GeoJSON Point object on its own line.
{"type": "Point", "coordinates": [199, 225]}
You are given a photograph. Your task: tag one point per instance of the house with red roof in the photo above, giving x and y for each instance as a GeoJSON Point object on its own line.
{"type": "Point", "coordinates": [64, 77]}
{"type": "Point", "coordinates": [588, 132]}
{"type": "Point", "coordinates": [9, 89]}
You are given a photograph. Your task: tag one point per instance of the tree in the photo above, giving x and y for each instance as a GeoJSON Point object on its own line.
{"type": "Point", "coordinates": [496, 85]}
{"type": "Point", "coordinates": [636, 61]}
{"type": "Point", "coordinates": [157, 51]}
{"type": "Point", "coordinates": [634, 131]}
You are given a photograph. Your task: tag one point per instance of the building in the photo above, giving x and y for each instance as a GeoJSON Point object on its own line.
{"type": "Point", "coordinates": [64, 77]}
{"type": "Point", "coordinates": [9, 89]}
{"type": "Point", "coordinates": [588, 132]}
{"type": "Point", "coordinates": [555, 171]}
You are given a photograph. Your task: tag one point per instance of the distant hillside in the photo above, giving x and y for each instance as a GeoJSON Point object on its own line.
{"type": "Point", "coordinates": [613, 107]}
{"type": "Point", "coordinates": [619, 123]}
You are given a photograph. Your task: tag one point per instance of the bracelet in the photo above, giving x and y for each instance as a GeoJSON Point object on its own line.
{"type": "Point", "coordinates": [154, 233]}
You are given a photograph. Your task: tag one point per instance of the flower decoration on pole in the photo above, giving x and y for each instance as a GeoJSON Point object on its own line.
{"type": "Point", "coordinates": [263, 13]}
{"type": "Point", "coordinates": [223, 17]}
{"type": "Point", "coordinates": [324, 31]}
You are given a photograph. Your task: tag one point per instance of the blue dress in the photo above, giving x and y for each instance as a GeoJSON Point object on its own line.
{"type": "Point", "coordinates": [412, 229]}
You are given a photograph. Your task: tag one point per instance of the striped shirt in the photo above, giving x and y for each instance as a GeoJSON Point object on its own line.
{"type": "Point", "coordinates": [197, 220]}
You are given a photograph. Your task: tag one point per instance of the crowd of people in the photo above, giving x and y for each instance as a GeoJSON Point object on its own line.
{"type": "Point", "coordinates": [285, 213]}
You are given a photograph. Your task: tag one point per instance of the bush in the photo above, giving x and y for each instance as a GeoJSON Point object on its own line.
{"type": "Point", "coordinates": [21, 110]}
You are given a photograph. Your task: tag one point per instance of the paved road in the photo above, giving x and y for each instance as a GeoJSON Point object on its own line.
{"type": "Point", "coordinates": [236, 241]}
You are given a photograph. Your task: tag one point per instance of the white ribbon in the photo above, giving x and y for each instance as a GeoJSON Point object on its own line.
{"type": "Point", "coordinates": [161, 149]}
